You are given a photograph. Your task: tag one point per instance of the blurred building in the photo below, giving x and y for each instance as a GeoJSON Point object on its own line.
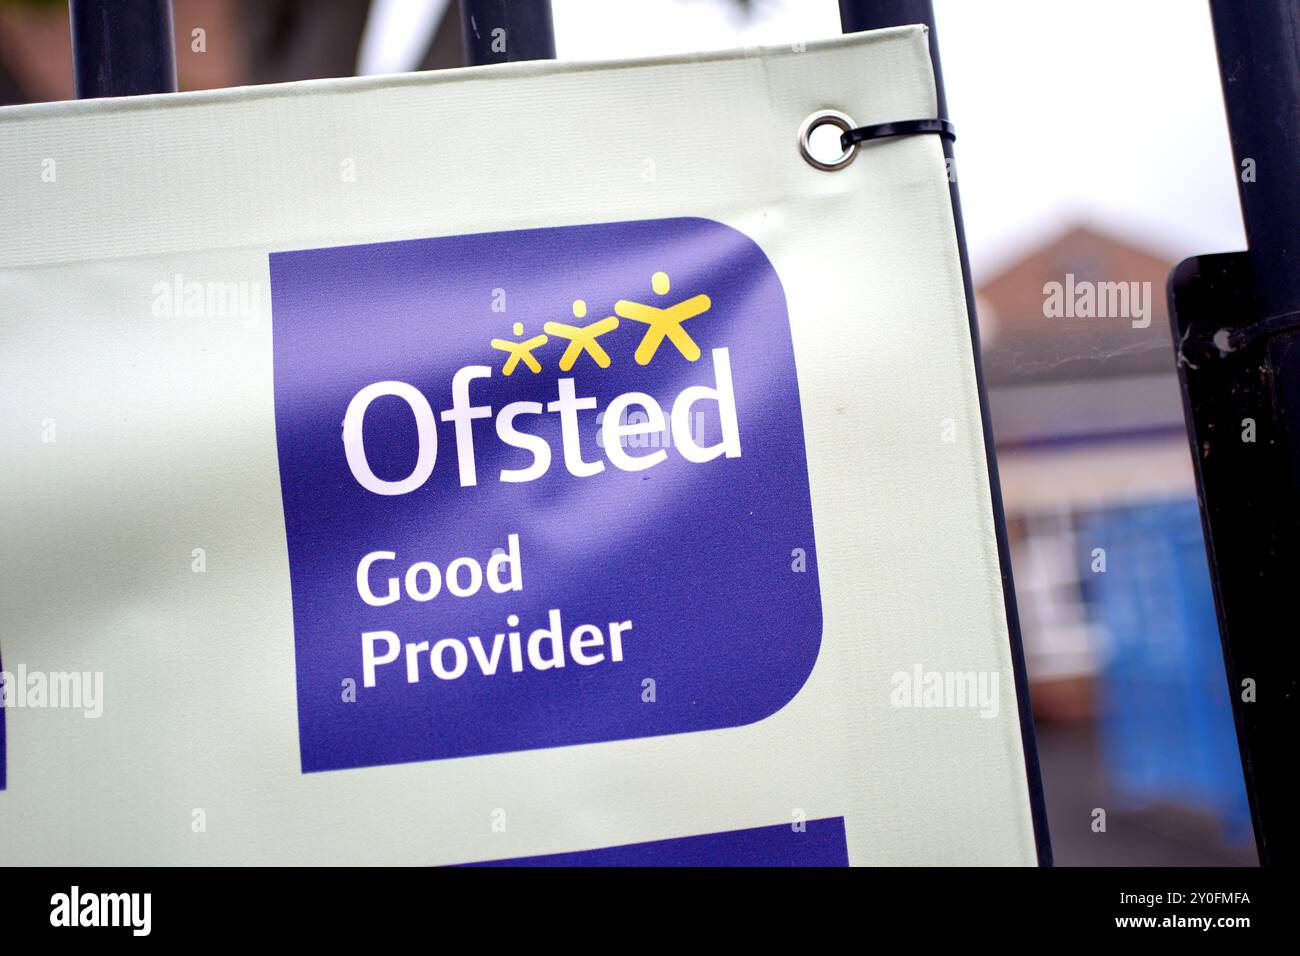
{"type": "Point", "coordinates": [1087, 416]}
{"type": "Point", "coordinates": [1116, 607]}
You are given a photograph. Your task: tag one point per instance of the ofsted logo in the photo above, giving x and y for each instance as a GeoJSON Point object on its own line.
{"type": "Point", "coordinates": [566, 406]}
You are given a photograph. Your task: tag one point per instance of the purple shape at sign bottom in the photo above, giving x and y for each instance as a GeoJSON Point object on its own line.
{"type": "Point", "coordinates": [814, 843]}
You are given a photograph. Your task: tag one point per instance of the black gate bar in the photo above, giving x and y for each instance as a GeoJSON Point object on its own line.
{"type": "Point", "coordinates": [1236, 327]}
{"type": "Point", "coordinates": [501, 31]}
{"type": "Point", "coordinates": [122, 47]}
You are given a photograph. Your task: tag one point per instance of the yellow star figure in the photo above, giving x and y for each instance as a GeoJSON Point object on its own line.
{"type": "Point", "coordinates": [520, 351]}
{"type": "Point", "coordinates": [582, 338]}
{"type": "Point", "coordinates": [665, 323]}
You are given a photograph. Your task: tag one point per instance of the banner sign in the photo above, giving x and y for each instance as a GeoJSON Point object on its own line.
{"type": "Point", "coordinates": [384, 491]}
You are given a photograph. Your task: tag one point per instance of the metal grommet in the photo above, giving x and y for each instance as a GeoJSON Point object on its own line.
{"type": "Point", "coordinates": [826, 118]}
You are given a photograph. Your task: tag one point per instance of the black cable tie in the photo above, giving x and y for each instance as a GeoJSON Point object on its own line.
{"type": "Point", "coordinates": [862, 134]}
{"type": "Point", "coordinates": [1226, 341]}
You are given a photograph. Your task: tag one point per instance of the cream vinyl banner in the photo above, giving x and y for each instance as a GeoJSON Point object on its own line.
{"type": "Point", "coordinates": [539, 463]}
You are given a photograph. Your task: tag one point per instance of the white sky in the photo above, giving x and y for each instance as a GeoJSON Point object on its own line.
{"type": "Point", "coordinates": [1102, 111]}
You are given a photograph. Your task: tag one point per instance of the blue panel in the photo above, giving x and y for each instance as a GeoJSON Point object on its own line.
{"type": "Point", "coordinates": [1167, 727]}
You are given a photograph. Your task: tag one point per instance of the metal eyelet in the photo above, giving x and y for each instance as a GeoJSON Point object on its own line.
{"type": "Point", "coordinates": [826, 118]}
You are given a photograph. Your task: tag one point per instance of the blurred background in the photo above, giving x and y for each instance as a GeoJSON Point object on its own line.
{"type": "Point", "coordinates": [1093, 144]}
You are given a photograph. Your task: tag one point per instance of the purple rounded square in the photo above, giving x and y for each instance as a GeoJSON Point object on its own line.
{"type": "Point", "coordinates": [711, 561]}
